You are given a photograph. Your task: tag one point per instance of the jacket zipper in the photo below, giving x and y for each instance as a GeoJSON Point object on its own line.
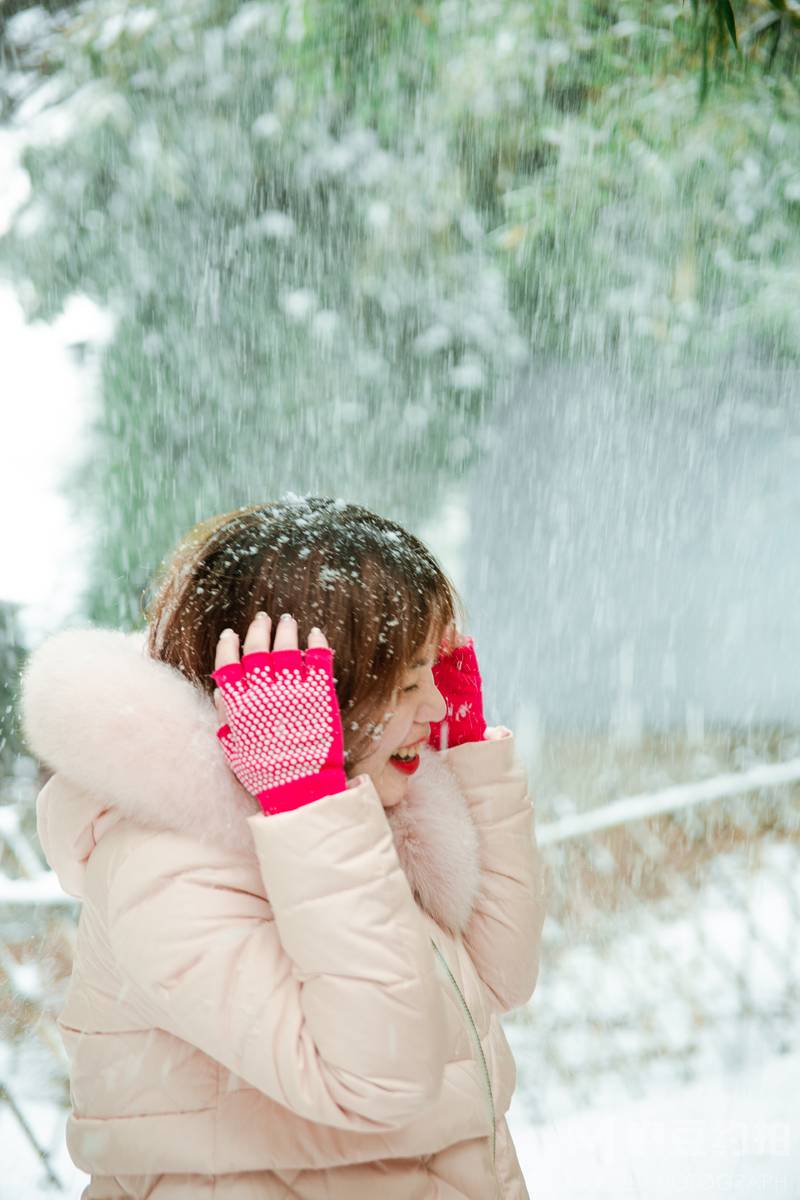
{"type": "Point", "coordinates": [482, 1058]}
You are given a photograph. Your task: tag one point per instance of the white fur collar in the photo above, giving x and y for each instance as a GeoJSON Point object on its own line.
{"type": "Point", "coordinates": [131, 737]}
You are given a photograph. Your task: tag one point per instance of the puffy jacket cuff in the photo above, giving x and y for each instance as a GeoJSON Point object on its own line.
{"type": "Point", "coordinates": [353, 820]}
{"type": "Point", "coordinates": [482, 762]}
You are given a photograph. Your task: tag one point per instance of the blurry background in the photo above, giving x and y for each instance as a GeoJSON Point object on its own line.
{"type": "Point", "coordinates": [523, 277]}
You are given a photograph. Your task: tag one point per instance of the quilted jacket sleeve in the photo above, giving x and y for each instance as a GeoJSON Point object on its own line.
{"type": "Point", "coordinates": [333, 1008]}
{"type": "Point", "coordinates": [504, 932]}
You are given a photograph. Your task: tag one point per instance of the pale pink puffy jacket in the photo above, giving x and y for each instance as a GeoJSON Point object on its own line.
{"type": "Point", "coordinates": [295, 1007]}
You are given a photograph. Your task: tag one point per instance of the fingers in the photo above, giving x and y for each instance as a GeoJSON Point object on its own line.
{"type": "Point", "coordinates": [258, 637]}
{"type": "Point", "coordinates": [258, 634]}
{"type": "Point", "coordinates": [227, 656]}
{"type": "Point", "coordinates": [452, 640]}
{"type": "Point", "coordinates": [225, 736]}
{"type": "Point", "coordinates": [496, 733]}
{"type": "Point", "coordinates": [257, 641]}
{"type": "Point", "coordinates": [457, 638]}
{"type": "Point", "coordinates": [286, 654]}
{"type": "Point", "coordinates": [227, 649]}
{"type": "Point", "coordinates": [286, 634]}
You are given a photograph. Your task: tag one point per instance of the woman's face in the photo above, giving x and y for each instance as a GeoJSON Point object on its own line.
{"type": "Point", "coordinates": [414, 705]}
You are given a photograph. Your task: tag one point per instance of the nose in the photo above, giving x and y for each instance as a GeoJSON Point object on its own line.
{"type": "Point", "coordinates": [435, 705]}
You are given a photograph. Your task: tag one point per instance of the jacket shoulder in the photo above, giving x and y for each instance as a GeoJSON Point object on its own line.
{"type": "Point", "coordinates": [133, 862]}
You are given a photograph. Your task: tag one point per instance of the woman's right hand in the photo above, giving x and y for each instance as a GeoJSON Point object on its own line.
{"type": "Point", "coordinates": [457, 676]}
{"type": "Point", "coordinates": [282, 728]}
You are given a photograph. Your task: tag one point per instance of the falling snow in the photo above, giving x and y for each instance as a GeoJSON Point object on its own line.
{"type": "Point", "coordinates": [521, 279]}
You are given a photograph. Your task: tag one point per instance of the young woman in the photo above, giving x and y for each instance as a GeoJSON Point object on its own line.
{"type": "Point", "coordinates": [309, 879]}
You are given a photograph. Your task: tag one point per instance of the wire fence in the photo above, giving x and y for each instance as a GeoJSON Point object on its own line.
{"type": "Point", "coordinates": [671, 944]}
{"type": "Point", "coordinates": [671, 947]}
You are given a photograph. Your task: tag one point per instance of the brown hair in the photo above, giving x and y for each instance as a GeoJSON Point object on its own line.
{"type": "Point", "coordinates": [375, 591]}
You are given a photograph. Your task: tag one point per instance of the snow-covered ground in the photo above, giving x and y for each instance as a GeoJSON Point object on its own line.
{"type": "Point", "coordinates": [731, 1138]}
{"type": "Point", "coordinates": [24, 1176]}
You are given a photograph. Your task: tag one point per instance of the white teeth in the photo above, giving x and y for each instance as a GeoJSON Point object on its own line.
{"type": "Point", "coordinates": [408, 755]}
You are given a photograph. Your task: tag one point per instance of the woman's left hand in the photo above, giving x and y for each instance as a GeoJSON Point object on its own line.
{"type": "Point", "coordinates": [458, 678]}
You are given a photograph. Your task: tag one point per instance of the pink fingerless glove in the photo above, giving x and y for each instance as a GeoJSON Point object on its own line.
{"type": "Point", "coordinates": [284, 739]}
{"type": "Point", "coordinates": [458, 678]}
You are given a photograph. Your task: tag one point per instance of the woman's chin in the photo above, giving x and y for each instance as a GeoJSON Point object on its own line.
{"type": "Point", "coordinates": [390, 785]}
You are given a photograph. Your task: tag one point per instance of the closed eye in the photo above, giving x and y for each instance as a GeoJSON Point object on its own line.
{"type": "Point", "coordinates": [413, 688]}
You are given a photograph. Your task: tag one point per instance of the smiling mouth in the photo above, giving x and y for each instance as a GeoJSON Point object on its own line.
{"type": "Point", "coordinates": [406, 759]}
{"type": "Point", "coordinates": [407, 765]}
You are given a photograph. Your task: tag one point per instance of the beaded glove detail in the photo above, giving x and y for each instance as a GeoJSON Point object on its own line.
{"type": "Point", "coordinates": [283, 740]}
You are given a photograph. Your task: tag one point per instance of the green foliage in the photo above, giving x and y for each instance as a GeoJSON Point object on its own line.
{"type": "Point", "coordinates": [331, 232]}
{"type": "Point", "coordinates": [12, 654]}
{"type": "Point", "coordinates": [716, 23]}
{"type": "Point", "coordinates": [658, 228]}
{"type": "Point", "coordinates": [290, 286]}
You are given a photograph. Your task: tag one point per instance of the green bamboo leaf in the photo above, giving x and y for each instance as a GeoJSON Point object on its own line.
{"type": "Point", "coordinates": [720, 45]}
{"type": "Point", "coordinates": [759, 28]}
{"type": "Point", "coordinates": [726, 10]}
{"type": "Point", "coordinates": [774, 47]}
{"type": "Point", "coordinates": [704, 64]}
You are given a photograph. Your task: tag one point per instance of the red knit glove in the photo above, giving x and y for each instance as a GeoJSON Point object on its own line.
{"type": "Point", "coordinates": [284, 739]}
{"type": "Point", "coordinates": [458, 678]}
